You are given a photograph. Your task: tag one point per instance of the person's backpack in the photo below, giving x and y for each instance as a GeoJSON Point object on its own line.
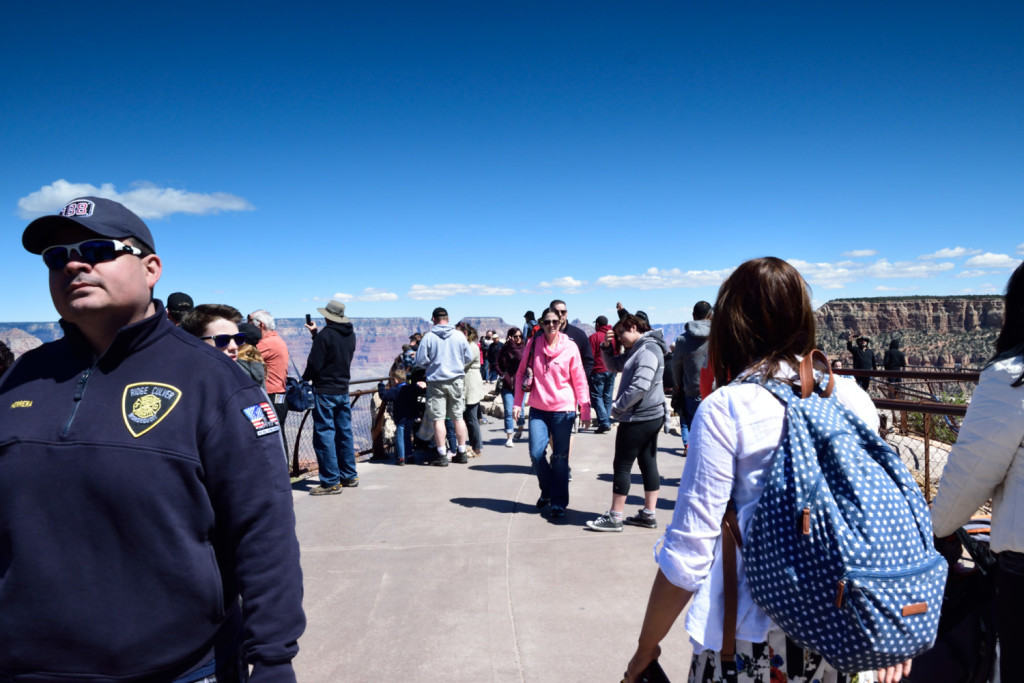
{"type": "Point", "coordinates": [839, 551]}
{"type": "Point", "coordinates": [298, 394]}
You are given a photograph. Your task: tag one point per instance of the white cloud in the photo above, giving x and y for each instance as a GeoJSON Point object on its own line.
{"type": "Point", "coordinates": [373, 294]}
{"type": "Point", "coordinates": [884, 288]}
{"type": "Point", "coordinates": [1020, 248]}
{"type": "Point", "coordinates": [145, 199]}
{"type": "Point", "coordinates": [859, 253]}
{"type": "Point", "coordinates": [655, 278]}
{"type": "Point", "coordinates": [971, 273]}
{"type": "Point", "coordinates": [443, 291]}
{"type": "Point", "coordinates": [838, 275]}
{"type": "Point", "coordinates": [950, 252]}
{"type": "Point", "coordinates": [990, 260]}
{"type": "Point", "coordinates": [568, 283]}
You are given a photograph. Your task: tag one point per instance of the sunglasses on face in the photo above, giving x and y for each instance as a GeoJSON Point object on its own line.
{"type": "Point", "coordinates": [222, 340]}
{"type": "Point", "coordinates": [89, 251]}
{"type": "Point", "coordinates": [549, 322]}
{"type": "Point", "coordinates": [563, 311]}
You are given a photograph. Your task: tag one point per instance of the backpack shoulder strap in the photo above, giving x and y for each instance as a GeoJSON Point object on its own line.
{"type": "Point", "coordinates": [731, 540]}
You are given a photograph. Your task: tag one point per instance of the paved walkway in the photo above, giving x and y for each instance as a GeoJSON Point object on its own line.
{"type": "Point", "coordinates": [449, 574]}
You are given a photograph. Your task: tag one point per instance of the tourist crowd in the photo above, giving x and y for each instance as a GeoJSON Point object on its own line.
{"type": "Point", "coordinates": [187, 569]}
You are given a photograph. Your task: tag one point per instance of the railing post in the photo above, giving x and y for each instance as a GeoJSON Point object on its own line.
{"type": "Point", "coordinates": [927, 458]}
{"type": "Point", "coordinates": [296, 470]}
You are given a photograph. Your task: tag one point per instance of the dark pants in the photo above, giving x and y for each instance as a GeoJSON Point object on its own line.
{"type": "Point", "coordinates": [601, 386]}
{"type": "Point", "coordinates": [471, 416]}
{"type": "Point", "coordinates": [282, 414]}
{"type": "Point", "coordinates": [1009, 607]}
{"type": "Point", "coordinates": [864, 382]}
{"type": "Point", "coordinates": [637, 441]}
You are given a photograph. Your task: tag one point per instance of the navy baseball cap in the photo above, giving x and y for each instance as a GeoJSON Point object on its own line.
{"type": "Point", "coordinates": [105, 217]}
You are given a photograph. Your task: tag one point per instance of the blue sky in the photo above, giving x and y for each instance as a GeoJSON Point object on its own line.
{"type": "Point", "coordinates": [492, 156]}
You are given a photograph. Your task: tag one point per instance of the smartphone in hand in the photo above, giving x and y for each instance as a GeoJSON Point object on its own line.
{"type": "Point", "coordinates": [309, 319]}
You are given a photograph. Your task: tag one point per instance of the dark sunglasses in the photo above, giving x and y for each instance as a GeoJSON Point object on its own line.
{"type": "Point", "coordinates": [89, 251]}
{"type": "Point", "coordinates": [222, 340]}
{"type": "Point", "coordinates": [550, 322]}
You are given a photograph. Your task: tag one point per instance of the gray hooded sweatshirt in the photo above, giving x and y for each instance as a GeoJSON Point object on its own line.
{"type": "Point", "coordinates": [444, 352]}
{"type": "Point", "coordinates": [641, 391]}
{"type": "Point", "coordinates": [690, 356]}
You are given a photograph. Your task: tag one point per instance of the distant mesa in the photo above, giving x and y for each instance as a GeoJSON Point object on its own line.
{"type": "Point", "coordinates": [933, 331]}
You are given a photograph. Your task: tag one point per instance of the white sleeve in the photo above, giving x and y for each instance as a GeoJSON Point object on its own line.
{"type": "Point", "coordinates": [688, 547]}
{"type": "Point", "coordinates": [988, 441]}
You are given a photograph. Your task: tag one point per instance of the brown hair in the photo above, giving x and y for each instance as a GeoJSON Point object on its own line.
{"type": "Point", "coordinates": [763, 316]}
{"type": "Point", "coordinates": [630, 320]}
{"type": "Point", "coordinates": [196, 320]}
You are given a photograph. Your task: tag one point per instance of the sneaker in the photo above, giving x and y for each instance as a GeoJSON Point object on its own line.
{"type": "Point", "coordinates": [644, 519]}
{"type": "Point", "coordinates": [439, 461]}
{"type": "Point", "coordinates": [460, 458]}
{"type": "Point", "coordinates": [601, 429]}
{"type": "Point", "coordinates": [508, 442]}
{"type": "Point", "coordinates": [605, 522]}
{"type": "Point", "coordinates": [556, 512]}
{"type": "Point", "coordinates": [322, 490]}
{"type": "Point", "coordinates": [400, 462]}
{"type": "Point", "coordinates": [350, 483]}
{"type": "Point", "coordinates": [543, 503]}
{"type": "Point", "coordinates": [519, 433]}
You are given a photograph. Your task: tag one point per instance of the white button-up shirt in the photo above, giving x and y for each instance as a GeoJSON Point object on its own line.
{"type": "Point", "coordinates": [734, 436]}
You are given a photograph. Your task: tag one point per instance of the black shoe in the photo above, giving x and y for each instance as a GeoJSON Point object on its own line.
{"type": "Point", "coordinates": [350, 483]}
{"type": "Point", "coordinates": [542, 503]}
{"type": "Point", "coordinates": [641, 518]}
{"type": "Point", "coordinates": [460, 458]}
{"type": "Point", "coordinates": [602, 429]}
{"type": "Point", "coordinates": [440, 461]}
{"type": "Point", "coordinates": [556, 512]}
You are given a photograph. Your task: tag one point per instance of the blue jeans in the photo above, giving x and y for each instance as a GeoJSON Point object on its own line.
{"type": "Point", "coordinates": [690, 404]}
{"type": "Point", "coordinates": [403, 437]}
{"type": "Point", "coordinates": [451, 438]}
{"type": "Point", "coordinates": [508, 400]}
{"type": "Point", "coordinates": [552, 477]}
{"type": "Point", "coordinates": [601, 386]}
{"type": "Point", "coordinates": [332, 438]}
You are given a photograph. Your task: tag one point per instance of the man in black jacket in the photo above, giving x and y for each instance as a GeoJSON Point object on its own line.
{"type": "Point", "coordinates": [863, 358]}
{"type": "Point", "coordinates": [143, 487]}
{"type": "Point", "coordinates": [329, 369]}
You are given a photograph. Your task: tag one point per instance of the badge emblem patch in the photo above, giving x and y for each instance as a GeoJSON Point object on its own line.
{"type": "Point", "coordinates": [263, 418]}
{"type": "Point", "coordinates": [145, 404]}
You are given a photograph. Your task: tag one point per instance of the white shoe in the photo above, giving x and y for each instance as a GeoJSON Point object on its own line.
{"type": "Point", "coordinates": [508, 441]}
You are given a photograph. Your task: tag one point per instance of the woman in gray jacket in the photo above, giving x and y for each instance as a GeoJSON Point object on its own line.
{"type": "Point", "coordinates": [640, 411]}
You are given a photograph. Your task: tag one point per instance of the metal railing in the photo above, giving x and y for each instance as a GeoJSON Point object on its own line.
{"type": "Point", "coordinates": [366, 429]}
{"type": "Point", "coordinates": [906, 400]}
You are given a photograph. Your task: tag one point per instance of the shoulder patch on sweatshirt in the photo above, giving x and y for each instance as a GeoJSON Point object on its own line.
{"type": "Point", "coordinates": [145, 404]}
{"type": "Point", "coordinates": [263, 418]}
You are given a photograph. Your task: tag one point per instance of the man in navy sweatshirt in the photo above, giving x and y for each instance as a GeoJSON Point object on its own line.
{"type": "Point", "coordinates": [146, 523]}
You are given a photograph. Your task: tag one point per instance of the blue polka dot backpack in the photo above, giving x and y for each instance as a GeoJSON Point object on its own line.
{"type": "Point", "coordinates": [839, 552]}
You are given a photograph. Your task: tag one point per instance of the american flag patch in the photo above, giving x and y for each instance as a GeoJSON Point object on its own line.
{"type": "Point", "coordinates": [263, 418]}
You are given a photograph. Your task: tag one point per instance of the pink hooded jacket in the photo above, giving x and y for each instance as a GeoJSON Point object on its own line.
{"type": "Point", "coordinates": [559, 384]}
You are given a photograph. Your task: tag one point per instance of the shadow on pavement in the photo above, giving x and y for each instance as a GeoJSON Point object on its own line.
{"type": "Point", "coordinates": [492, 504]}
{"type": "Point", "coordinates": [503, 468]}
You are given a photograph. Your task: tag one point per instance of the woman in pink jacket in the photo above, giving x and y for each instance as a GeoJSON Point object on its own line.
{"type": "Point", "coordinates": [558, 386]}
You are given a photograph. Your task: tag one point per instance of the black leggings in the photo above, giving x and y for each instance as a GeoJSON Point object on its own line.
{"type": "Point", "coordinates": [1009, 603]}
{"type": "Point", "coordinates": [637, 441]}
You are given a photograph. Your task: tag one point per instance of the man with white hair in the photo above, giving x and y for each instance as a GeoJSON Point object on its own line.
{"type": "Point", "coordinates": [275, 355]}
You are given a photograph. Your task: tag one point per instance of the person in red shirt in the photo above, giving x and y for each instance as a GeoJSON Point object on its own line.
{"type": "Point", "coordinates": [275, 354]}
{"type": "Point", "coordinates": [601, 379]}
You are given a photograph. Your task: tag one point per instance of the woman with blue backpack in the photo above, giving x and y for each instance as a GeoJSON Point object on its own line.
{"type": "Point", "coordinates": [763, 328]}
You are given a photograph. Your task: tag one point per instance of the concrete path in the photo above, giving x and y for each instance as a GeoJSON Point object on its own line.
{"type": "Point", "coordinates": [449, 574]}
